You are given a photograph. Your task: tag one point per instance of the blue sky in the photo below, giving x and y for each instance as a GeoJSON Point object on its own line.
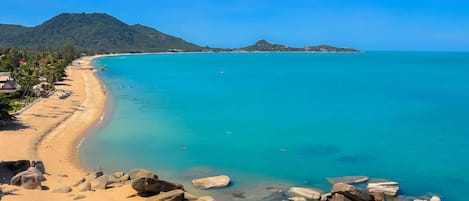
{"type": "Point", "coordinates": [432, 25]}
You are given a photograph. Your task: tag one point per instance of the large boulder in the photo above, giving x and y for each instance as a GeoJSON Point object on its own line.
{"type": "Point", "coordinates": [149, 186]}
{"type": "Point", "coordinates": [308, 193]}
{"type": "Point", "coordinates": [91, 176]}
{"type": "Point", "coordinates": [29, 179]}
{"type": "Point", "coordinates": [388, 188]}
{"type": "Point", "coordinates": [100, 183]}
{"type": "Point", "coordinates": [174, 195]}
{"type": "Point", "coordinates": [211, 182]}
{"type": "Point", "coordinates": [142, 173]}
{"type": "Point", "coordinates": [350, 192]}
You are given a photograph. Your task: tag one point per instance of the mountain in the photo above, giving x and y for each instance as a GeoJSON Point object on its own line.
{"type": "Point", "coordinates": [99, 32]}
{"type": "Point", "coordinates": [95, 31]}
{"type": "Point", "coordinates": [263, 45]}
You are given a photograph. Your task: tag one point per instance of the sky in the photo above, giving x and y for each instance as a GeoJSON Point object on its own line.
{"type": "Point", "coordinates": [428, 25]}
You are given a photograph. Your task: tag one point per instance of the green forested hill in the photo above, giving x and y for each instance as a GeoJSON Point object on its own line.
{"type": "Point", "coordinates": [96, 31]}
{"type": "Point", "coordinates": [99, 32]}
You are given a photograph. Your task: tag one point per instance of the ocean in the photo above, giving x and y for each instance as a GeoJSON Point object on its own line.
{"type": "Point", "coordinates": [276, 120]}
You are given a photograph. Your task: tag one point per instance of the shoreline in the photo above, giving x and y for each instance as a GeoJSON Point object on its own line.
{"type": "Point", "coordinates": [52, 130]}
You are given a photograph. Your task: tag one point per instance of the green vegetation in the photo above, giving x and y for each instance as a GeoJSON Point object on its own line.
{"type": "Point", "coordinates": [92, 33]}
{"type": "Point", "coordinates": [263, 45]}
{"type": "Point", "coordinates": [101, 33]}
{"type": "Point", "coordinates": [29, 68]}
{"type": "Point", "coordinates": [5, 108]}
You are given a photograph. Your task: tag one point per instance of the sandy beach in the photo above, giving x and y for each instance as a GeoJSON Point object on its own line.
{"type": "Point", "coordinates": [51, 130]}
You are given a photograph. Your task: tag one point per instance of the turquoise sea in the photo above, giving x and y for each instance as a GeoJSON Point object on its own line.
{"type": "Point", "coordinates": [273, 120]}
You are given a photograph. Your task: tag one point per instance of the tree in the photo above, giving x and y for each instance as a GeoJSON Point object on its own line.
{"type": "Point", "coordinates": [69, 53]}
{"type": "Point", "coordinates": [5, 108]}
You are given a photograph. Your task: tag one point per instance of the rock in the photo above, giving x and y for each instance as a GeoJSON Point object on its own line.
{"type": "Point", "coordinates": [435, 198]}
{"type": "Point", "coordinates": [100, 183]}
{"type": "Point", "coordinates": [85, 186]}
{"type": "Point", "coordinates": [142, 173]}
{"type": "Point", "coordinates": [351, 191]}
{"type": "Point", "coordinates": [62, 175]}
{"type": "Point", "coordinates": [65, 189]}
{"type": "Point", "coordinates": [379, 196]}
{"type": "Point", "coordinates": [112, 179]}
{"type": "Point", "coordinates": [325, 196]}
{"type": "Point", "coordinates": [347, 179]}
{"type": "Point", "coordinates": [148, 186]}
{"type": "Point", "coordinates": [125, 177]}
{"type": "Point", "coordinates": [94, 175]}
{"type": "Point", "coordinates": [339, 197]}
{"type": "Point", "coordinates": [29, 179]}
{"type": "Point", "coordinates": [297, 199]}
{"type": "Point", "coordinates": [211, 182]}
{"type": "Point", "coordinates": [174, 195]}
{"type": "Point", "coordinates": [308, 193]}
{"type": "Point", "coordinates": [190, 197]}
{"type": "Point", "coordinates": [77, 197]}
{"type": "Point", "coordinates": [39, 165]}
{"type": "Point", "coordinates": [118, 174]}
{"type": "Point", "coordinates": [388, 188]}
{"type": "Point", "coordinates": [206, 198]}
{"type": "Point", "coordinates": [78, 182]}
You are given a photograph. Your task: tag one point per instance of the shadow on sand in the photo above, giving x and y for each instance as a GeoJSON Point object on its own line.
{"type": "Point", "coordinates": [12, 126]}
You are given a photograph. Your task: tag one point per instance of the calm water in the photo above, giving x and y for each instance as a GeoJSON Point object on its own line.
{"type": "Point", "coordinates": [282, 119]}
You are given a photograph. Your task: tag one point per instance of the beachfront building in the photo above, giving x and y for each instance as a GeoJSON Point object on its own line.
{"type": "Point", "coordinates": [7, 84]}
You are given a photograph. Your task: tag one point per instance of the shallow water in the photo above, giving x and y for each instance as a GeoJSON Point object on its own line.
{"type": "Point", "coordinates": [282, 119]}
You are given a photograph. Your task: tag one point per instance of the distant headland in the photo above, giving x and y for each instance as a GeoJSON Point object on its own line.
{"type": "Point", "coordinates": [102, 33]}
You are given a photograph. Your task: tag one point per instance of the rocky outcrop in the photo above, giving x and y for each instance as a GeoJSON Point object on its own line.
{"type": "Point", "coordinates": [29, 179]}
{"type": "Point", "coordinates": [174, 195]}
{"type": "Point", "coordinates": [142, 173]}
{"type": "Point", "coordinates": [347, 179]}
{"type": "Point", "coordinates": [388, 188]}
{"type": "Point", "coordinates": [149, 186]}
{"type": "Point", "coordinates": [340, 191]}
{"type": "Point", "coordinates": [308, 193]}
{"type": "Point", "coordinates": [435, 198]}
{"type": "Point", "coordinates": [211, 182]}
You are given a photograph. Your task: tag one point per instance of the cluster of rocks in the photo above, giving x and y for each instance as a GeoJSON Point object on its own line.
{"type": "Point", "coordinates": [147, 184]}
{"type": "Point", "coordinates": [344, 189]}
{"type": "Point", "coordinates": [24, 173]}
{"type": "Point", "coordinates": [30, 175]}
